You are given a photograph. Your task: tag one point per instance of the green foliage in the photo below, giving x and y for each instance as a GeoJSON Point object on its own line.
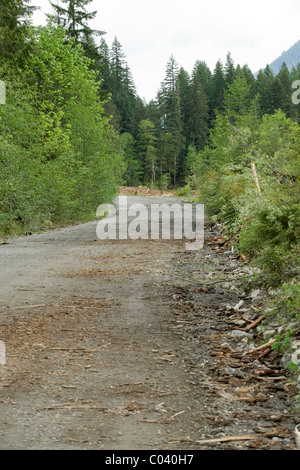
{"type": "Point", "coordinates": [285, 310]}
{"type": "Point", "coordinates": [133, 170]}
{"type": "Point", "coordinates": [266, 224]}
{"type": "Point", "coordinates": [59, 156]}
{"type": "Point", "coordinates": [14, 25]}
{"type": "Point", "coordinates": [147, 151]}
{"type": "Point", "coordinates": [286, 305]}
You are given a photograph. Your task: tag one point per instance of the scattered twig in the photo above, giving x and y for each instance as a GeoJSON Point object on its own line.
{"type": "Point", "coordinates": [28, 306]}
{"type": "Point", "coordinates": [166, 358]}
{"type": "Point", "coordinates": [177, 414]}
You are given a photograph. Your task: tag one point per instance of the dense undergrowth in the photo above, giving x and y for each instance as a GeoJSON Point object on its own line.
{"type": "Point", "coordinates": [59, 155]}
{"type": "Point", "coordinates": [248, 177]}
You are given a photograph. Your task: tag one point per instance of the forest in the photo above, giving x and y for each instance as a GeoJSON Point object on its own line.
{"type": "Point", "coordinates": [73, 129]}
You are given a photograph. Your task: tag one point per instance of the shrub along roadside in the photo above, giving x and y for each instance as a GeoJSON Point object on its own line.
{"type": "Point", "coordinates": [248, 176]}
{"type": "Point", "coordinates": [59, 156]}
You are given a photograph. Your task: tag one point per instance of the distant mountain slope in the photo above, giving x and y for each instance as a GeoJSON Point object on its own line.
{"type": "Point", "coordinates": [291, 57]}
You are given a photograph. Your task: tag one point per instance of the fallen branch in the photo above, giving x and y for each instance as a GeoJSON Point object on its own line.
{"type": "Point", "coordinates": [28, 306]}
{"type": "Point", "coordinates": [73, 406]}
{"type": "Point", "coordinates": [260, 348]}
{"type": "Point", "coordinates": [253, 168]}
{"type": "Point", "coordinates": [204, 284]}
{"type": "Point", "coordinates": [254, 323]}
{"type": "Point", "coordinates": [71, 349]}
{"type": "Point", "coordinates": [247, 437]}
{"type": "Point", "coordinates": [268, 379]}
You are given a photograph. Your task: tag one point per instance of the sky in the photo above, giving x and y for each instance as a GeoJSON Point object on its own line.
{"type": "Point", "coordinates": [255, 32]}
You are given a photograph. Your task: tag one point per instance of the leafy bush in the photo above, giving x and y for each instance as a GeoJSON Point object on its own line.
{"type": "Point", "coordinates": [59, 156]}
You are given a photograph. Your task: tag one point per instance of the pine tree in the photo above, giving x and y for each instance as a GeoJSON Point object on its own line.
{"type": "Point", "coordinates": [202, 74]}
{"type": "Point", "coordinates": [265, 90]}
{"type": "Point", "coordinates": [171, 116]}
{"type": "Point", "coordinates": [104, 71]}
{"type": "Point", "coordinates": [198, 116]}
{"type": "Point", "coordinates": [238, 98]}
{"type": "Point", "coordinates": [218, 87]}
{"type": "Point", "coordinates": [146, 150]}
{"type": "Point", "coordinates": [229, 70]}
{"type": "Point", "coordinates": [122, 87]}
{"type": "Point", "coordinates": [184, 96]}
{"type": "Point", "coordinates": [282, 92]}
{"type": "Point", "coordinates": [14, 25]}
{"type": "Point", "coordinates": [74, 18]}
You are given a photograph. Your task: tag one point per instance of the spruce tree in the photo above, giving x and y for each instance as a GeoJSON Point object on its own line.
{"type": "Point", "coordinates": [122, 87]}
{"type": "Point", "coordinates": [74, 18]}
{"type": "Point", "coordinates": [146, 150]}
{"type": "Point", "coordinates": [198, 116]}
{"type": "Point", "coordinates": [218, 87]}
{"type": "Point", "coordinates": [229, 70]}
{"type": "Point", "coordinates": [282, 92]}
{"type": "Point", "coordinates": [265, 89]}
{"type": "Point", "coordinates": [14, 25]}
{"type": "Point", "coordinates": [171, 117]}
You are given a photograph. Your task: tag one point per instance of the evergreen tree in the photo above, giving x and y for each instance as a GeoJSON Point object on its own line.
{"type": "Point", "coordinates": [238, 98]}
{"type": "Point", "coordinates": [104, 70]}
{"type": "Point", "coordinates": [74, 18]}
{"type": "Point", "coordinates": [170, 81]}
{"type": "Point", "coordinates": [201, 74]}
{"type": "Point", "coordinates": [229, 70]}
{"type": "Point", "coordinates": [282, 92]}
{"type": "Point", "coordinates": [218, 87]}
{"type": "Point", "coordinates": [133, 170]}
{"type": "Point", "coordinates": [265, 90]}
{"type": "Point", "coordinates": [122, 87]}
{"type": "Point", "coordinates": [198, 116]}
{"type": "Point", "coordinates": [146, 150]}
{"type": "Point", "coordinates": [184, 97]}
{"type": "Point", "coordinates": [14, 44]}
{"type": "Point", "coordinates": [171, 116]}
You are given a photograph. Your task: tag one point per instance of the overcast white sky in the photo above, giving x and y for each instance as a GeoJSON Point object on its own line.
{"type": "Point", "coordinates": [255, 32]}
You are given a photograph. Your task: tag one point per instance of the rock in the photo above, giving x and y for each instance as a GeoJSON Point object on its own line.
{"type": "Point", "coordinates": [238, 306]}
{"type": "Point", "coordinates": [255, 293]}
{"type": "Point", "coordinates": [268, 333]}
{"type": "Point", "coordinates": [286, 359]}
{"type": "Point", "coordinates": [292, 326]}
{"type": "Point", "coordinates": [239, 335]}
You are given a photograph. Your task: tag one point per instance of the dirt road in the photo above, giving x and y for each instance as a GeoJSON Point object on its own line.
{"type": "Point", "coordinates": [112, 345]}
